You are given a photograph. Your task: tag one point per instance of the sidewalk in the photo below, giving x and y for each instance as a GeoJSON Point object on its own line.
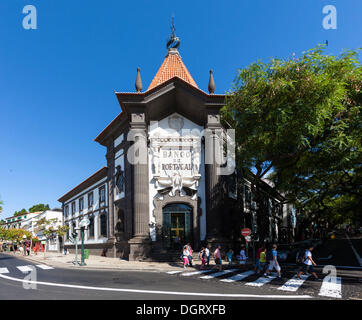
{"type": "Point", "coordinates": [58, 260]}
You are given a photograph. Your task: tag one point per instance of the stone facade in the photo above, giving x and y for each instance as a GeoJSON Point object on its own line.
{"type": "Point", "coordinates": [163, 185]}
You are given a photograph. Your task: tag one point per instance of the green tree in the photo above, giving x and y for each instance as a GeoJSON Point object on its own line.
{"type": "Point", "coordinates": [39, 207]}
{"type": "Point", "coordinates": [15, 235]}
{"type": "Point", "coordinates": [298, 122]}
{"type": "Point", "coordinates": [20, 213]}
{"type": "Point", "coordinates": [50, 228]}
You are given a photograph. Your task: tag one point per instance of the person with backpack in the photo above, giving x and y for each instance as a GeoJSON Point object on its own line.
{"type": "Point", "coordinates": [272, 259]}
{"type": "Point", "coordinates": [262, 261]}
{"type": "Point", "coordinates": [308, 264]}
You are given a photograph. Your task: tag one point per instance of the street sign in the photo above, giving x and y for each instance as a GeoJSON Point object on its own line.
{"type": "Point", "coordinates": [245, 232]}
{"type": "Point", "coordinates": [248, 238]}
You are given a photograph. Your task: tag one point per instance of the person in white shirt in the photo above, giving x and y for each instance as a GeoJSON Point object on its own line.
{"type": "Point", "coordinates": [308, 264]}
{"type": "Point", "coordinates": [207, 251]}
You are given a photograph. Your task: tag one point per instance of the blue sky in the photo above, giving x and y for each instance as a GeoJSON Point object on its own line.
{"type": "Point", "coordinates": [57, 82]}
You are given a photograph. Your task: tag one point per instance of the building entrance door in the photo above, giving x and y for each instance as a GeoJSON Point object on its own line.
{"type": "Point", "coordinates": [177, 225]}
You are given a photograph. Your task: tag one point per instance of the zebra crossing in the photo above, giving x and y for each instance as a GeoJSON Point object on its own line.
{"type": "Point", "coordinates": [25, 268]}
{"type": "Point", "coordinates": [329, 288]}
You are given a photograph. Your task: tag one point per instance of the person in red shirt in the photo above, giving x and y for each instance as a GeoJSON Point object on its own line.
{"type": "Point", "coordinates": [257, 263]}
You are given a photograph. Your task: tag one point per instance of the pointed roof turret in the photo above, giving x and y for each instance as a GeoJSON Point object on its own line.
{"type": "Point", "coordinates": [172, 66]}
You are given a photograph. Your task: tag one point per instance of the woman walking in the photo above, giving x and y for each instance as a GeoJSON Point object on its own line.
{"type": "Point", "coordinates": [217, 257]}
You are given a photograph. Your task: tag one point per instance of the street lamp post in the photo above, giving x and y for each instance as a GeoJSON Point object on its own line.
{"type": "Point", "coordinates": [82, 263]}
{"type": "Point", "coordinates": [83, 226]}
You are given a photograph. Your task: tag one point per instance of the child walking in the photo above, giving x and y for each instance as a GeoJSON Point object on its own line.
{"type": "Point", "coordinates": [185, 255]}
{"type": "Point", "coordinates": [229, 256]}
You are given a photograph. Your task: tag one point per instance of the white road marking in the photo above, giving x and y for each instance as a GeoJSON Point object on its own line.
{"type": "Point", "coordinates": [44, 267]}
{"type": "Point", "coordinates": [331, 289]}
{"type": "Point", "coordinates": [260, 281]}
{"type": "Point", "coordinates": [218, 274]}
{"type": "Point", "coordinates": [174, 272]}
{"type": "Point", "coordinates": [354, 251]}
{"type": "Point", "coordinates": [293, 284]}
{"type": "Point", "coordinates": [188, 274]}
{"type": "Point", "coordinates": [25, 269]}
{"type": "Point", "coordinates": [238, 277]}
{"type": "Point", "coordinates": [159, 292]}
{"type": "Point", "coordinates": [4, 270]}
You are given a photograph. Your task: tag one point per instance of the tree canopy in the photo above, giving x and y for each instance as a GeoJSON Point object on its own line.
{"type": "Point", "coordinates": [39, 207]}
{"type": "Point", "coordinates": [15, 235]}
{"type": "Point", "coordinates": [20, 213]}
{"type": "Point", "coordinates": [298, 122]}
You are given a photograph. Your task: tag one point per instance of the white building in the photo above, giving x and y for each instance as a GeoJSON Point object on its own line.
{"type": "Point", "coordinates": [30, 224]}
{"type": "Point", "coordinates": [88, 200]}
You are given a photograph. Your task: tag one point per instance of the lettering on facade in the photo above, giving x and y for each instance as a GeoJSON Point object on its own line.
{"type": "Point", "coordinates": [176, 164]}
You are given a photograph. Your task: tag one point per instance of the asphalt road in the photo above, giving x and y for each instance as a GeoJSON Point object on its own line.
{"type": "Point", "coordinates": [74, 284]}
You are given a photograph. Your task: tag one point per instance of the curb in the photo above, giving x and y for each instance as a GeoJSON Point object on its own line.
{"type": "Point", "coordinates": [71, 266]}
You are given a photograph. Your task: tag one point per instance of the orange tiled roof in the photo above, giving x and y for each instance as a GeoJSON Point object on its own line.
{"type": "Point", "coordinates": [171, 67]}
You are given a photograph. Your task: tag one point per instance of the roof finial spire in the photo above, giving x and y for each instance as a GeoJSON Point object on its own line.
{"type": "Point", "coordinates": [173, 41]}
{"type": "Point", "coordinates": [138, 81]}
{"type": "Point", "coordinates": [211, 86]}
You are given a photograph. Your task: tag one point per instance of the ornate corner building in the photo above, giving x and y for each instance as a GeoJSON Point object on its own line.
{"type": "Point", "coordinates": [159, 189]}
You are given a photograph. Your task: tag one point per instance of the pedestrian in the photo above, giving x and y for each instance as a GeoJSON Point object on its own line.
{"type": "Point", "coordinates": [207, 252]}
{"type": "Point", "coordinates": [272, 259]}
{"type": "Point", "coordinates": [28, 250]}
{"type": "Point", "coordinates": [257, 263]}
{"type": "Point", "coordinates": [185, 256]}
{"type": "Point", "coordinates": [308, 264]}
{"type": "Point", "coordinates": [299, 259]}
{"type": "Point", "coordinates": [190, 253]}
{"type": "Point", "coordinates": [262, 261]}
{"type": "Point", "coordinates": [229, 256]}
{"type": "Point", "coordinates": [217, 257]}
{"type": "Point", "coordinates": [242, 256]}
{"type": "Point", "coordinates": [202, 257]}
